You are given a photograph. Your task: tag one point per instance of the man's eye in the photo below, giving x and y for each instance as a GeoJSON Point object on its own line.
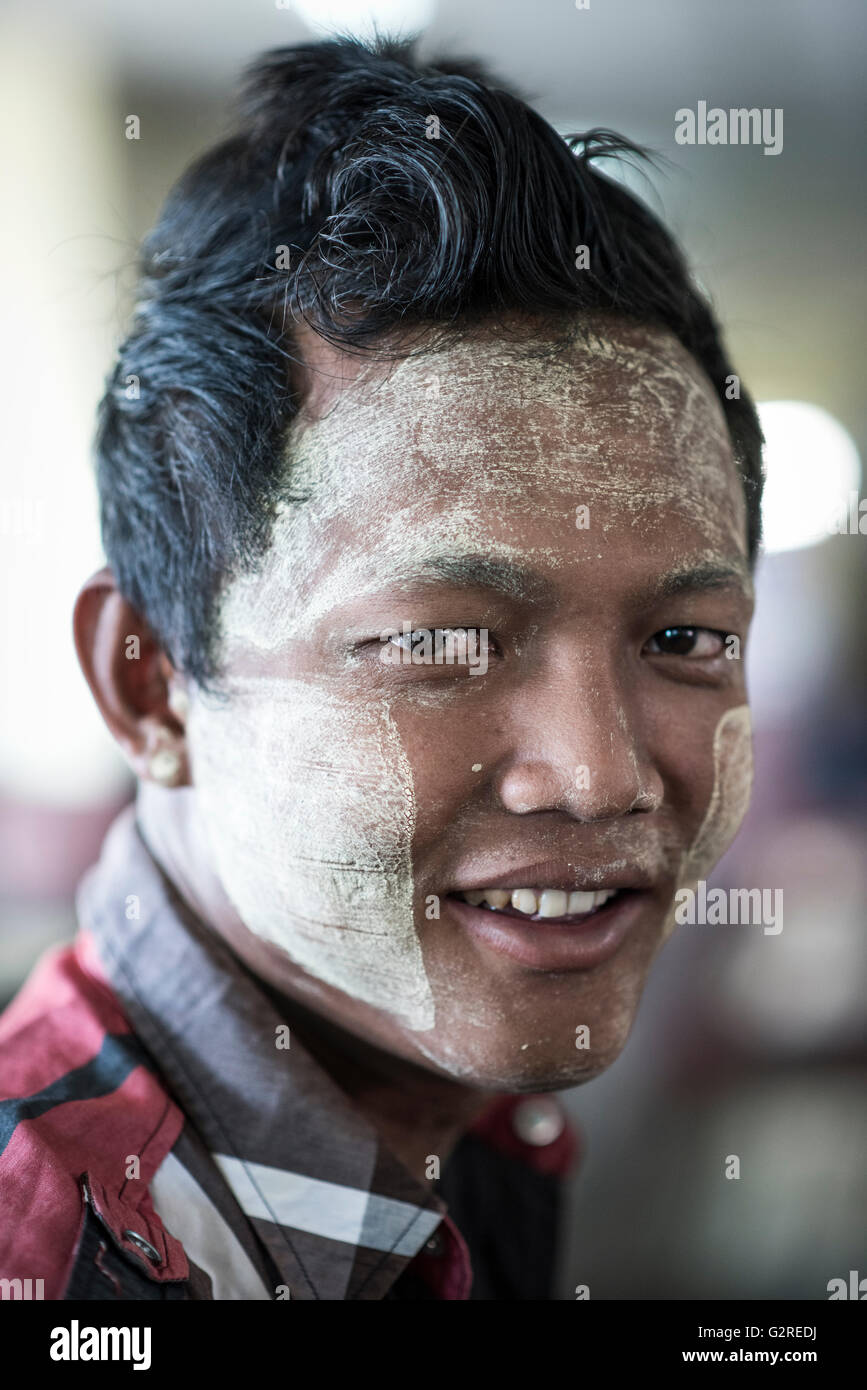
{"type": "Point", "coordinates": [405, 640]}
{"type": "Point", "coordinates": [454, 642]}
{"type": "Point", "coordinates": [696, 642]}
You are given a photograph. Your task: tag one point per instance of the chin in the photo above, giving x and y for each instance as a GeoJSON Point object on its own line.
{"type": "Point", "coordinates": [505, 1066]}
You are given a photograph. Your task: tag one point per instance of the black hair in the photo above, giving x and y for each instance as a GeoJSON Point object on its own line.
{"type": "Point", "coordinates": [366, 195]}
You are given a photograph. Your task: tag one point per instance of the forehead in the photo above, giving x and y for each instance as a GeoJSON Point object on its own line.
{"type": "Point", "coordinates": [493, 444]}
{"type": "Point", "coordinates": [515, 420]}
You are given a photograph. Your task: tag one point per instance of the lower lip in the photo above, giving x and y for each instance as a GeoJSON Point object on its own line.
{"type": "Point", "coordinates": [568, 946]}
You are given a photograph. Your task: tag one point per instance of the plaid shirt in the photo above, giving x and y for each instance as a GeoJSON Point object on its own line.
{"type": "Point", "coordinates": [157, 1143]}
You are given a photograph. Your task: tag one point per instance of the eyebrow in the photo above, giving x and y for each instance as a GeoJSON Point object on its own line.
{"type": "Point", "coordinates": [705, 578]}
{"type": "Point", "coordinates": [479, 571]}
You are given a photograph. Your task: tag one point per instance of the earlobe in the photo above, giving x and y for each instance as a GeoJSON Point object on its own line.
{"type": "Point", "coordinates": [165, 766]}
{"type": "Point", "coordinates": [133, 682]}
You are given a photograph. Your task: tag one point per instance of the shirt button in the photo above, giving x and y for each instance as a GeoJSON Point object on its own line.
{"type": "Point", "coordinates": [144, 1246]}
{"type": "Point", "coordinates": [436, 1245]}
{"type": "Point", "coordinates": [538, 1122]}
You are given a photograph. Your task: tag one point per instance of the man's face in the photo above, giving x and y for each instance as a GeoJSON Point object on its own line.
{"type": "Point", "coordinates": [572, 510]}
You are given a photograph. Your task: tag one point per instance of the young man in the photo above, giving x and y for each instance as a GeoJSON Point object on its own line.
{"type": "Point", "coordinates": [430, 501]}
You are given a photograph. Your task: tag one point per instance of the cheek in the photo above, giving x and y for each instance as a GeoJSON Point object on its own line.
{"type": "Point", "coordinates": [442, 734]}
{"type": "Point", "coordinates": [729, 800]}
{"type": "Point", "coordinates": [309, 809]}
{"type": "Point", "coordinates": [732, 783]}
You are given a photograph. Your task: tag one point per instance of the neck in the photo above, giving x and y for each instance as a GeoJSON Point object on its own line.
{"type": "Point", "coordinates": [418, 1113]}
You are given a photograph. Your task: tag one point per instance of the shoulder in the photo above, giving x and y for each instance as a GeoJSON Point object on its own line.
{"type": "Point", "coordinates": [84, 1122]}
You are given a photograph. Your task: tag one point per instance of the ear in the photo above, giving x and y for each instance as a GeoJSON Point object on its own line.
{"type": "Point", "coordinates": [141, 698]}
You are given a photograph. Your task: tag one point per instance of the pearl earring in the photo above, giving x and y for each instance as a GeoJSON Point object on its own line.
{"type": "Point", "coordinates": [165, 766]}
{"type": "Point", "coordinates": [179, 702]}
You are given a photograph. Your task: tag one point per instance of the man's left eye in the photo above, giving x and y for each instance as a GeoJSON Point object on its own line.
{"type": "Point", "coordinates": [696, 642]}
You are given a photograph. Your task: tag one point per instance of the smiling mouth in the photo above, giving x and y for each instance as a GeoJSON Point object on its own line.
{"type": "Point", "coordinates": [549, 905]}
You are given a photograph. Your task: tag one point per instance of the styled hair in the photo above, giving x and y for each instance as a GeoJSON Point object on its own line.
{"type": "Point", "coordinates": [369, 196]}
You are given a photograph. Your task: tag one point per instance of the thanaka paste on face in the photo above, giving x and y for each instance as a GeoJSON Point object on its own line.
{"type": "Point", "coordinates": [309, 807]}
{"type": "Point", "coordinates": [730, 799]}
{"type": "Point", "coordinates": [306, 793]}
{"type": "Point", "coordinates": [347, 461]}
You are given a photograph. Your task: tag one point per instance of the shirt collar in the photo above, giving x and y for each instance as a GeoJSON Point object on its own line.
{"type": "Point", "coordinates": [340, 1216]}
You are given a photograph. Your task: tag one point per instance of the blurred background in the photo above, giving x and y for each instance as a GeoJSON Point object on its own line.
{"type": "Point", "coordinates": [747, 1043]}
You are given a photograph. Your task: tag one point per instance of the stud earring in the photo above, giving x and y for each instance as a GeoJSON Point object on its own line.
{"type": "Point", "coordinates": [179, 702]}
{"type": "Point", "coordinates": [165, 766]}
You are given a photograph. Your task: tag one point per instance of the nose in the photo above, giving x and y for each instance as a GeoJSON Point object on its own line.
{"type": "Point", "coordinates": [578, 748]}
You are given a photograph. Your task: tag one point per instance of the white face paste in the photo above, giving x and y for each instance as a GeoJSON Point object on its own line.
{"type": "Point", "coordinates": [304, 790]}
{"type": "Point", "coordinates": [310, 811]}
{"type": "Point", "coordinates": [570, 442]}
{"type": "Point", "coordinates": [729, 802]}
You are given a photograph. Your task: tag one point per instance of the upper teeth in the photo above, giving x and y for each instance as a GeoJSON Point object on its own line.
{"type": "Point", "coordinates": [550, 902]}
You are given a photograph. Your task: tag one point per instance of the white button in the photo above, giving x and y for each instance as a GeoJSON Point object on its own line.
{"type": "Point", "coordinates": [538, 1122]}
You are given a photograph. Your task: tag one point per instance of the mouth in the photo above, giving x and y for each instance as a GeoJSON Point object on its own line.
{"type": "Point", "coordinates": [551, 905]}
{"type": "Point", "coordinates": [551, 929]}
